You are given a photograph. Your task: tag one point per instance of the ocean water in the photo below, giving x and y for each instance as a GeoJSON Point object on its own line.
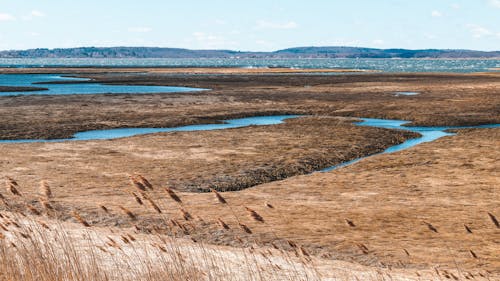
{"type": "Point", "coordinates": [386, 65]}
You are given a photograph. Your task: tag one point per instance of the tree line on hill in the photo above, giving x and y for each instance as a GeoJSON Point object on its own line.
{"type": "Point", "coordinates": [299, 52]}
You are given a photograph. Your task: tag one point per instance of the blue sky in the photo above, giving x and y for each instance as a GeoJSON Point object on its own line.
{"type": "Point", "coordinates": [257, 25]}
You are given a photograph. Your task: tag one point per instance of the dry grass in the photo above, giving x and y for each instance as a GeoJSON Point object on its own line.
{"type": "Point", "coordinates": [230, 159]}
{"type": "Point", "coordinates": [36, 249]}
{"type": "Point", "coordinates": [42, 248]}
{"type": "Point", "coordinates": [429, 213]}
{"type": "Point", "coordinates": [380, 212]}
{"type": "Point", "coordinates": [445, 99]}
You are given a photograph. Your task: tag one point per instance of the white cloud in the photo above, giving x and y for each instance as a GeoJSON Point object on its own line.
{"type": "Point", "coordinates": [455, 6]}
{"type": "Point", "coordinates": [378, 42]}
{"type": "Point", "coordinates": [211, 41]}
{"type": "Point", "coordinates": [340, 42]}
{"type": "Point", "coordinates": [436, 14]}
{"type": "Point", "coordinates": [479, 31]}
{"type": "Point", "coordinates": [37, 14]}
{"type": "Point", "coordinates": [263, 24]}
{"type": "Point", "coordinates": [140, 29]}
{"type": "Point", "coordinates": [33, 14]}
{"type": "Point", "coordinates": [495, 3]}
{"type": "Point", "coordinates": [6, 17]}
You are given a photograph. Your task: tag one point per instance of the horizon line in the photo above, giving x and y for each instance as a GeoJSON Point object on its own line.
{"type": "Point", "coordinates": [248, 51]}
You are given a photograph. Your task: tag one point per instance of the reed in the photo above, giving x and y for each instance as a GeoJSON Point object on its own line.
{"type": "Point", "coordinates": [143, 181]}
{"type": "Point", "coordinates": [137, 184]}
{"type": "Point", "coordinates": [79, 219]}
{"type": "Point", "coordinates": [45, 189]}
{"type": "Point", "coordinates": [254, 215]}
{"type": "Point", "coordinates": [219, 197]}
{"type": "Point", "coordinates": [171, 193]}
{"type": "Point", "coordinates": [12, 186]}
{"type": "Point", "coordinates": [170, 258]}
{"type": "Point", "coordinates": [129, 213]}
{"type": "Point", "coordinates": [494, 220]}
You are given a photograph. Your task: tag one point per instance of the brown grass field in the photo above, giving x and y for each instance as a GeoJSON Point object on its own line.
{"type": "Point", "coordinates": [445, 99]}
{"type": "Point", "coordinates": [427, 213]}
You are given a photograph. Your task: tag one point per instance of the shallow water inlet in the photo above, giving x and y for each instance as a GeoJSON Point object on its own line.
{"type": "Point", "coordinates": [428, 134]}
{"type": "Point", "coordinates": [86, 88]}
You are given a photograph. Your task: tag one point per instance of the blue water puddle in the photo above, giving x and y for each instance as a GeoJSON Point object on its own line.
{"type": "Point", "coordinates": [38, 80]}
{"type": "Point", "coordinates": [398, 94]}
{"type": "Point", "coordinates": [129, 132]}
{"type": "Point", "coordinates": [428, 134]}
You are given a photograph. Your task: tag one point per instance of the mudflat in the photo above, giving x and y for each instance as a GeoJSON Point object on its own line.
{"type": "Point", "coordinates": [21, 89]}
{"type": "Point", "coordinates": [444, 99]}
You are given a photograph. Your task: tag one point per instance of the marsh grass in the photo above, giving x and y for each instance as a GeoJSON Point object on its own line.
{"type": "Point", "coordinates": [40, 246]}
{"type": "Point", "coordinates": [33, 249]}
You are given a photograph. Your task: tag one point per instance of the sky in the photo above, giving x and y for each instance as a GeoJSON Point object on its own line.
{"type": "Point", "coordinates": [256, 25]}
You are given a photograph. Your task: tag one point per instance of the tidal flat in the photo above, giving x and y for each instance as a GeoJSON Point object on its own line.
{"type": "Point", "coordinates": [407, 213]}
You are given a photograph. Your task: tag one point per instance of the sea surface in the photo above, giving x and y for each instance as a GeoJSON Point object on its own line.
{"type": "Point", "coordinates": [385, 65]}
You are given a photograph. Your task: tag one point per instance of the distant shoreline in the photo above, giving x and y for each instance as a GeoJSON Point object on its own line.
{"type": "Point", "coordinates": [294, 53]}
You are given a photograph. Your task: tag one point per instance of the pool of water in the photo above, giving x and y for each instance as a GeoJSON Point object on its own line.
{"type": "Point", "coordinates": [129, 132]}
{"type": "Point", "coordinates": [397, 94]}
{"type": "Point", "coordinates": [428, 134]}
{"type": "Point", "coordinates": [29, 80]}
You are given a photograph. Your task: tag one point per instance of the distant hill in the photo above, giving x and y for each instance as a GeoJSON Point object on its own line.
{"type": "Point", "coordinates": [354, 52]}
{"type": "Point", "coordinates": [299, 52]}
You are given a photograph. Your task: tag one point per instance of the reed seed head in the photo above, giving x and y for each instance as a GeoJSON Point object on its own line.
{"type": "Point", "coordinates": [128, 213]}
{"type": "Point", "coordinates": [467, 229]}
{"type": "Point", "coordinates": [137, 184]}
{"type": "Point", "coordinates": [143, 181]}
{"type": "Point", "coordinates": [185, 214]}
{"type": "Point", "coordinates": [254, 215]}
{"type": "Point", "coordinates": [104, 208]}
{"type": "Point", "coordinates": [494, 220]}
{"type": "Point", "coordinates": [223, 224]}
{"type": "Point", "coordinates": [137, 198]}
{"type": "Point", "coordinates": [45, 189]}
{"type": "Point", "coordinates": [173, 195]}
{"type": "Point", "coordinates": [474, 255]}
{"type": "Point", "coordinates": [79, 218]}
{"type": "Point", "coordinates": [245, 228]}
{"type": "Point", "coordinates": [12, 188]}
{"type": "Point", "coordinates": [269, 205]}
{"type": "Point", "coordinates": [350, 222]}
{"type": "Point", "coordinates": [33, 210]}
{"type": "Point", "coordinates": [218, 196]}
{"type": "Point", "coordinates": [431, 227]}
